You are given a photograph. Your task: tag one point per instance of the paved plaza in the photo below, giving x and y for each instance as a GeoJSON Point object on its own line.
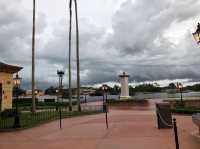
{"type": "Point", "coordinates": [128, 129]}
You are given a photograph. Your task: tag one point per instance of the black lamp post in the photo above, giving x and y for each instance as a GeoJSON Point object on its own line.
{"type": "Point", "coordinates": [60, 74]}
{"type": "Point", "coordinates": [104, 89]}
{"type": "Point", "coordinates": [105, 106]}
{"type": "Point", "coordinates": [85, 97]}
{"type": "Point", "coordinates": [17, 83]}
{"type": "Point", "coordinates": [180, 87]}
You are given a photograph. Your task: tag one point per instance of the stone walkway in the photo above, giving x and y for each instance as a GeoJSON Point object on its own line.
{"type": "Point", "coordinates": [128, 129]}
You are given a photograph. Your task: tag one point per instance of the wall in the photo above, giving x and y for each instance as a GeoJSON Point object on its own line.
{"type": "Point", "coordinates": [6, 80]}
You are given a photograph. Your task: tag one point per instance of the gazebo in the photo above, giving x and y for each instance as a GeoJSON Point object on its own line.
{"type": "Point", "coordinates": [6, 85]}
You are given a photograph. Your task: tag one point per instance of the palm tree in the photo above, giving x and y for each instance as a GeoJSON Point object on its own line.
{"type": "Point", "coordinates": [70, 30]}
{"type": "Point", "coordinates": [33, 59]}
{"type": "Point", "coordinates": [77, 57]}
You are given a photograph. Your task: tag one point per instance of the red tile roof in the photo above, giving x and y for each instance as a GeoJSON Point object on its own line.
{"type": "Point", "coordinates": [9, 68]}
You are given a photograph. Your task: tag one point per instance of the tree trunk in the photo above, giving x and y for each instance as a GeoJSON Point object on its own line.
{"type": "Point", "coordinates": [33, 59]}
{"type": "Point", "coordinates": [77, 57]}
{"type": "Point", "coordinates": [69, 71]}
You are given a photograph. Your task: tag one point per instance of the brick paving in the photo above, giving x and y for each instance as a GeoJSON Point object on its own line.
{"type": "Point", "coordinates": [128, 129]}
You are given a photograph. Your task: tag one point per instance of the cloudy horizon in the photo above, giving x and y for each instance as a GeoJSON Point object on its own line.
{"type": "Point", "coordinates": [150, 40]}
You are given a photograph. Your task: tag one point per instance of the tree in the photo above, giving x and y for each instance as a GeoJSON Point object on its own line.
{"type": "Point", "coordinates": [172, 86]}
{"type": "Point", "coordinates": [33, 59]}
{"type": "Point", "coordinates": [77, 57]}
{"type": "Point", "coordinates": [69, 69]}
{"type": "Point", "coordinates": [51, 90]}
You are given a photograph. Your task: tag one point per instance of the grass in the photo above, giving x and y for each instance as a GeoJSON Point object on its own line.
{"type": "Point", "coordinates": [28, 119]}
{"type": "Point", "coordinates": [183, 110]}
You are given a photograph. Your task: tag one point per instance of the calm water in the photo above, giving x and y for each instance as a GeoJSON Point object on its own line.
{"type": "Point", "coordinates": [137, 96]}
{"type": "Point", "coordinates": [147, 96]}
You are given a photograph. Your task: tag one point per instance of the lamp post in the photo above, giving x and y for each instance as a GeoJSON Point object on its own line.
{"type": "Point", "coordinates": [118, 90]}
{"type": "Point", "coordinates": [105, 106]}
{"type": "Point", "coordinates": [180, 87]}
{"type": "Point", "coordinates": [104, 89]}
{"type": "Point", "coordinates": [60, 75]}
{"type": "Point", "coordinates": [17, 82]}
{"type": "Point", "coordinates": [85, 97]}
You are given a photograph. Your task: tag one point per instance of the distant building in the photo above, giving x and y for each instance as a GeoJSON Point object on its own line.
{"type": "Point", "coordinates": [6, 85]}
{"type": "Point", "coordinates": [84, 91]}
{"type": "Point", "coordinates": [38, 92]}
{"type": "Point", "coordinates": [124, 86]}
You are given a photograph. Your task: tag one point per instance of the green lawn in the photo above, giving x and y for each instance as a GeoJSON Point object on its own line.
{"type": "Point", "coordinates": [183, 110]}
{"type": "Point", "coordinates": [28, 119]}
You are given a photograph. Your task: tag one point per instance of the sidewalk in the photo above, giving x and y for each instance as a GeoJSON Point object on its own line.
{"type": "Point", "coordinates": [128, 129]}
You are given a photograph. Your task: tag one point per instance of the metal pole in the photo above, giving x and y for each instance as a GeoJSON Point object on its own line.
{"type": "Point", "coordinates": [69, 71]}
{"type": "Point", "coordinates": [106, 106]}
{"type": "Point", "coordinates": [77, 57]}
{"type": "Point", "coordinates": [106, 97]}
{"type": "Point", "coordinates": [103, 97]}
{"type": "Point", "coordinates": [176, 134]}
{"type": "Point", "coordinates": [33, 59]}
{"type": "Point", "coordinates": [17, 118]}
{"type": "Point", "coordinates": [60, 112]}
{"type": "Point", "coordinates": [106, 117]}
{"type": "Point", "coordinates": [85, 98]}
{"type": "Point", "coordinates": [181, 97]}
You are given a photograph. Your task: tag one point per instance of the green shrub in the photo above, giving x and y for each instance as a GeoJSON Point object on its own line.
{"type": "Point", "coordinates": [183, 110]}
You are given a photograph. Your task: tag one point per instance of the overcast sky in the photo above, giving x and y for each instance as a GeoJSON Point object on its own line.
{"type": "Point", "coordinates": [149, 39]}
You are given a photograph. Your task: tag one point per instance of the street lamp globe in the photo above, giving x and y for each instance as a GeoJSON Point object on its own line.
{"type": "Point", "coordinates": [17, 80]}
{"type": "Point", "coordinates": [196, 35]}
{"type": "Point", "coordinates": [104, 87]}
{"type": "Point", "coordinates": [179, 86]}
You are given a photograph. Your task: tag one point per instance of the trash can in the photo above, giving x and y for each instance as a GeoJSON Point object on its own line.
{"type": "Point", "coordinates": [164, 115]}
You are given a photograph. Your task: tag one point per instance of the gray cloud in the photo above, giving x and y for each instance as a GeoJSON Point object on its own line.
{"type": "Point", "coordinates": [138, 43]}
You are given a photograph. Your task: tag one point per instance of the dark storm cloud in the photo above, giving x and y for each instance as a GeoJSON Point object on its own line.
{"type": "Point", "coordinates": [137, 43]}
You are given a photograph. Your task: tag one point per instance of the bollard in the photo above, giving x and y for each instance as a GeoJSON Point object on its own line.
{"type": "Point", "coordinates": [106, 115]}
{"type": "Point", "coordinates": [60, 118]}
{"type": "Point", "coordinates": [176, 134]}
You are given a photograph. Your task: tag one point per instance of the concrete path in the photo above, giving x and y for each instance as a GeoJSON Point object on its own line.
{"type": "Point", "coordinates": [128, 129]}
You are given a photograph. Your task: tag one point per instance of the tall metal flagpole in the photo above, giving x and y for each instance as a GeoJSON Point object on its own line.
{"type": "Point", "coordinates": [77, 57]}
{"type": "Point", "coordinates": [69, 71]}
{"type": "Point", "coordinates": [33, 58]}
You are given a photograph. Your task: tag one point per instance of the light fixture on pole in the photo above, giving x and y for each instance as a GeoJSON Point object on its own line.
{"type": "Point", "coordinates": [17, 83]}
{"type": "Point", "coordinates": [180, 88]}
{"type": "Point", "coordinates": [105, 106]}
{"type": "Point", "coordinates": [60, 74]}
{"type": "Point", "coordinates": [196, 35]}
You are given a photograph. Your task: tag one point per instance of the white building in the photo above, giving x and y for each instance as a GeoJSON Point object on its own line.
{"type": "Point", "coordinates": [124, 86]}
